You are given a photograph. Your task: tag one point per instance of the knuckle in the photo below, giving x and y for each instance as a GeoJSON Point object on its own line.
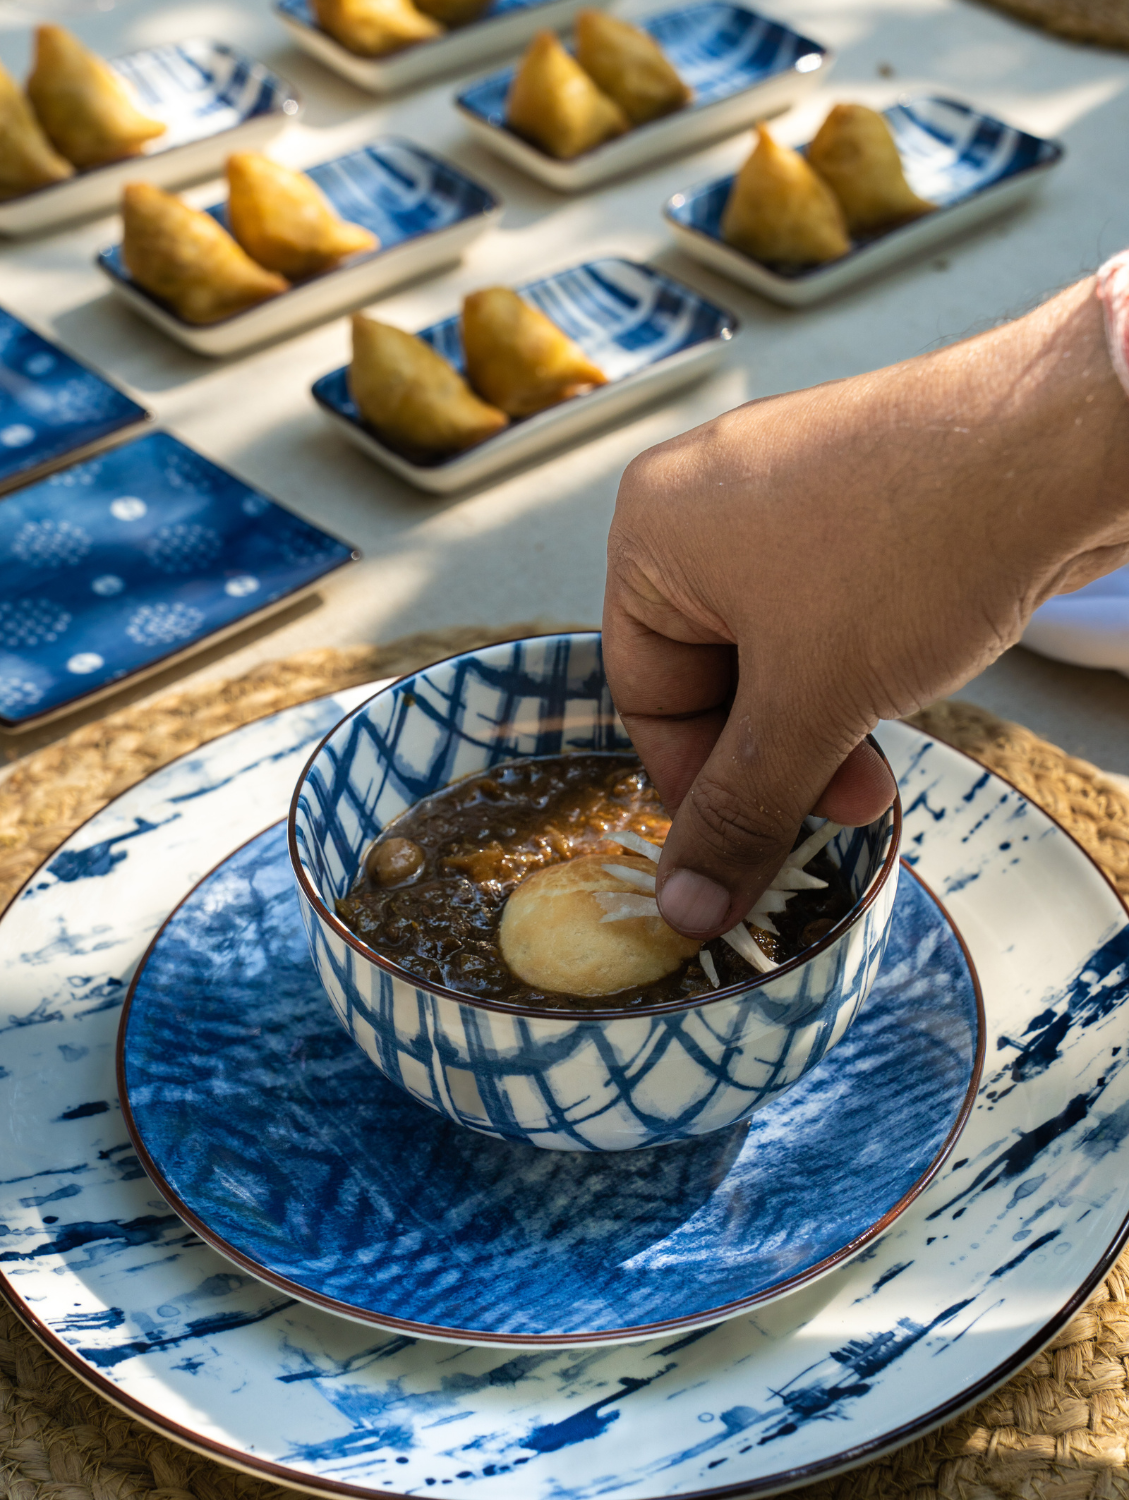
{"type": "Point", "coordinates": [735, 828]}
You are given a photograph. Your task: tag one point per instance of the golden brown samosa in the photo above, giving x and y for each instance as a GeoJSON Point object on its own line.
{"type": "Point", "coordinates": [284, 220]}
{"type": "Point", "coordinates": [452, 12]}
{"type": "Point", "coordinates": [417, 401]}
{"type": "Point", "coordinates": [630, 67]}
{"type": "Point", "coordinates": [854, 152]}
{"type": "Point", "coordinates": [518, 358]}
{"type": "Point", "coordinates": [86, 109]}
{"type": "Point", "coordinates": [780, 211]}
{"type": "Point", "coordinates": [373, 28]}
{"type": "Point", "coordinates": [553, 102]}
{"type": "Point", "coordinates": [27, 158]}
{"type": "Point", "coordinates": [188, 260]}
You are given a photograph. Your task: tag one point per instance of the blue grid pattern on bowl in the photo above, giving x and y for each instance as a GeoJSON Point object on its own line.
{"type": "Point", "coordinates": [393, 187]}
{"type": "Point", "coordinates": [111, 565]}
{"type": "Point", "coordinates": [950, 152]}
{"type": "Point", "coordinates": [271, 1129]}
{"type": "Point", "coordinates": [717, 48]}
{"type": "Point", "coordinates": [611, 1080]}
{"type": "Point", "coordinates": [50, 404]}
{"type": "Point", "coordinates": [624, 315]}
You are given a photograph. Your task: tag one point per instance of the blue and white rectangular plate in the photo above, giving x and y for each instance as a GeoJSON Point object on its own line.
{"type": "Point", "coordinates": [742, 66]}
{"type": "Point", "coordinates": [111, 568]}
{"type": "Point", "coordinates": [214, 100]}
{"type": "Point", "coordinates": [51, 406]}
{"type": "Point", "coordinates": [504, 26]}
{"type": "Point", "coordinates": [646, 331]}
{"type": "Point", "coordinates": [987, 1265]}
{"type": "Point", "coordinates": [970, 164]}
{"type": "Point", "coordinates": [423, 210]}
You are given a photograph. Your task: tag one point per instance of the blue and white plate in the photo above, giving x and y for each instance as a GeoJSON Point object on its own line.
{"type": "Point", "coordinates": [51, 406]}
{"type": "Point", "coordinates": [741, 65]}
{"type": "Point", "coordinates": [504, 26]}
{"type": "Point", "coordinates": [112, 567]}
{"type": "Point", "coordinates": [646, 331]}
{"type": "Point", "coordinates": [214, 100]}
{"type": "Point", "coordinates": [985, 1267]}
{"type": "Point", "coordinates": [423, 209]}
{"type": "Point", "coordinates": [970, 164]}
{"type": "Point", "coordinates": [261, 1123]}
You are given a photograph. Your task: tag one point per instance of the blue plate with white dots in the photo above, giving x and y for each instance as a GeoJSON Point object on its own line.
{"type": "Point", "coordinates": [110, 568]}
{"type": "Point", "coordinates": [51, 406]}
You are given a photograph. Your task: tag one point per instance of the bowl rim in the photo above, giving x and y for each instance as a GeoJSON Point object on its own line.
{"type": "Point", "coordinates": [737, 990]}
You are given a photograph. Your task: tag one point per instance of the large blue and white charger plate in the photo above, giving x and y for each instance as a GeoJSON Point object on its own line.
{"type": "Point", "coordinates": [114, 567]}
{"type": "Point", "coordinates": [423, 210]}
{"type": "Point", "coordinates": [264, 1126]}
{"type": "Point", "coordinates": [52, 407]}
{"type": "Point", "coordinates": [647, 332]}
{"type": "Point", "coordinates": [980, 1272]}
{"type": "Point", "coordinates": [741, 65]}
{"type": "Point", "coordinates": [503, 26]}
{"type": "Point", "coordinates": [971, 165]}
{"type": "Point", "coordinates": [213, 98]}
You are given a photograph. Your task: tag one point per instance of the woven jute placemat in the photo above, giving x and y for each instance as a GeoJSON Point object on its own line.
{"type": "Point", "coordinates": [1105, 22]}
{"type": "Point", "coordinates": [1057, 1431]}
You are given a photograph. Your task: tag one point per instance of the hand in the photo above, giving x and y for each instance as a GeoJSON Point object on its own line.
{"type": "Point", "coordinates": [787, 575]}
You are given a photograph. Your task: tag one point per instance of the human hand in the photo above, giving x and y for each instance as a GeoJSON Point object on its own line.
{"type": "Point", "coordinates": [782, 578]}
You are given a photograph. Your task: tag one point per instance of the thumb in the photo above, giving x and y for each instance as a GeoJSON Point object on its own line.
{"type": "Point", "coordinates": [739, 820]}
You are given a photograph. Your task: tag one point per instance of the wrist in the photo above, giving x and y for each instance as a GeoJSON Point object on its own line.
{"type": "Point", "coordinates": [1113, 293]}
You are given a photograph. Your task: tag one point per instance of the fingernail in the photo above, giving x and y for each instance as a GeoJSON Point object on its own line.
{"type": "Point", "coordinates": [692, 903]}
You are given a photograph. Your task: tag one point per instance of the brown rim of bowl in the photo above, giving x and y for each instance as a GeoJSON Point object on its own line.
{"type": "Point", "coordinates": [605, 1338]}
{"type": "Point", "coordinates": [500, 1007]}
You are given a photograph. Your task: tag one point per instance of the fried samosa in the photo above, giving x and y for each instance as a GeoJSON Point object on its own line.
{"type": "Point", "coordinates": [188, 260]}
{"type": "Point", "coordinates": [518, 358]}
{"type": "Point", "coordinates": [27, 158]}
{"type": "Point", "coordinates": [284, 220]}
{"type": "Point", "coordinates": [553, 102]}
{"type": "Point", "coordinates": [452, 12]}
{"type": "Point", "coordinates": [373, 28]}
{"type": "Point", "coordinates": [630, 67]}
{"type": "Point", "coordinates": [854, 152]}
{"type": "Point", "coordinates": [86, 109]}
{"type": "Point", "coordinates": [780, 211]}
{"type": "Point", "coordinates": [417, 401]}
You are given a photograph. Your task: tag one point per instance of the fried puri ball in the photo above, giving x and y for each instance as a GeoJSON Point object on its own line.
{"type": "Point", "coordinates": [780, 211]}
{"type": "Point", "coordinates": [555, 934]}
{"type": "Point", "coordinates": [855, 154]}
{"type": "Point", "coordinates": [555, 104]}
{"type": "Point", "coordinates": [630, 67]}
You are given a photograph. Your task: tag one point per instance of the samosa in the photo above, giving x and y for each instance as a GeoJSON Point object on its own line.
{"type": "Point", "coordinates": [86, 109]}
{"type": "Point", "coordinates": [780, 211]}
{"type": "Point", "coordinates": [284, 220]}
{"type": "Point", "coordinates": [854, 152]}
{"type": "Point", "coordinates": [553, 102]}
{"type": "Point", "coordinates": [27, 158]}
{"type": "Point", "coordinates": [417, 401]}
{"type": "Point", "coordinates": [630, 67]}
{"type": "Point", "coordinates": [452, 12]}
{"type": "Point", "coordinates": [373, 28]}
{"type": "Point", "coordinates": [188, 260]}
{"type": "Point", "coordinates": [518, 358]}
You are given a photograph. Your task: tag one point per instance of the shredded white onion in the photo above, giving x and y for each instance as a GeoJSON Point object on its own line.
{"type": "Point", "coordinates": [743, 942]}
{"type": "Point", "coordinates": [811, 846]}
{"type": "Point", "coordinates": [766, 924]}
{"type": "Point", "coordinates": [789, 879]}
{"type": "Point", "coordinates": [640, 845]}
{"type": "Point", "coordinates": [709, 968]}
{"type": "Point", "coordinates": [620, 906]}
{"type": "Point", "coordinates": [770, 901]}
{"type": "Point", "coordinates": [643, 879]}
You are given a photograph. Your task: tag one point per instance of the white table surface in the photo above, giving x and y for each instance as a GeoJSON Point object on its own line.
{"type": "Point", "coordinates": [533, 544]}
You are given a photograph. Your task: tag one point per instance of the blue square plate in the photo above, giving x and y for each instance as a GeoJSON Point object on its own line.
{"type": "Point", "coordinates": [214, 100]}
{"type": "Point", "coordinates": [424, 211]}
{"type": "Point", "coordinates": [51, 406]}
{"type": "Point", "coordinates": [504, 26]}
{"type": "Point", "coordinates": [110, 568]}
{"type": "Point", "coordinates": [970, 164]}
{"type": "Point", "coordinates": [646, 331]}
{"type": "Point", "coordinates": [741, 65]}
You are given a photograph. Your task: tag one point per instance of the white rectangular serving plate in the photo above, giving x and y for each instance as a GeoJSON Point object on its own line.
{"type": "Point", "coordinates": [742, 66]}
{"type": "Point", "coordinates": [213, 98]}
{"type": "Point", "coordinates": [392, 187]}
{"type": "Point", "coordinates": [608, 306]}
{"type": "Point", "coordinates": [972, 165]}
{"type": "Point", "coordinates": [508, 27]}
